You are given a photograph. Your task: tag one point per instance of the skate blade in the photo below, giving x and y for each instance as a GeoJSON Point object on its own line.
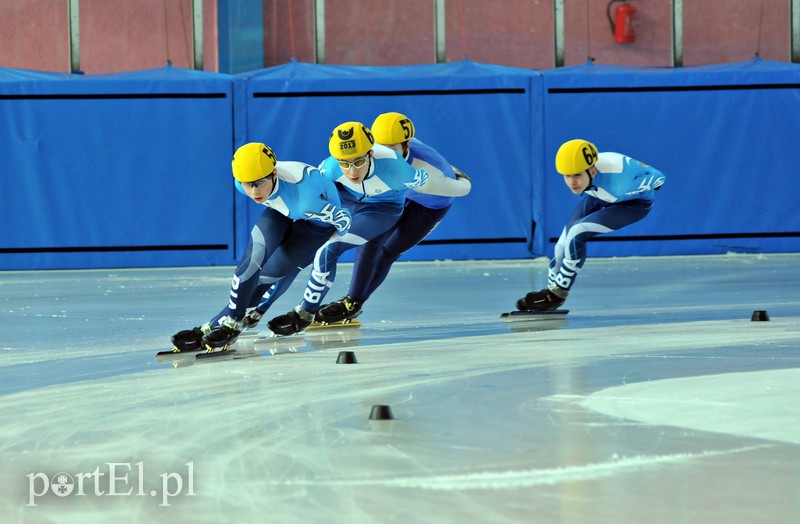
{"type": "Point", "coordinates": [553, 314]}
{"type": "Point", "coordinates": [176, 353]}
{"type": "Point", "coordinates": [275, 336]}
{"type": "Point", "coordinates": [321, 326]}
{"type": "Point", "coordinates": [216, 354]}
{"type": "Point", "coordinates": [220, 349]}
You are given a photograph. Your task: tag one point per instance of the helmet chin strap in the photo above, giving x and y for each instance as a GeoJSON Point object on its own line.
{"type": "Point", "coordinates": [591, 185]}
{"type": "Point", "coordinates": [274, 184]}
{"type": "Point", "coordinates": [369, 166]}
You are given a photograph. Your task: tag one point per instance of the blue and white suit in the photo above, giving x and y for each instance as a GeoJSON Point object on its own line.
{"type": "Point", "coordinates": [375, 204]}
{"type": "Point", "coordinates": [621, 193]}
{"type": "Point", "coordinates": [421, 214]}
{"type": "Point", "coordinates": [303, 211]}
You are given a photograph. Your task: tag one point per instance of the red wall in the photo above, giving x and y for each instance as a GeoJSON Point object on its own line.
{"type": "Point", "coordinates": [123, 35]}
{"type": "Point", "coordinates": [115, 35]}
{"type": "Point", "coordinates": [520, 33]}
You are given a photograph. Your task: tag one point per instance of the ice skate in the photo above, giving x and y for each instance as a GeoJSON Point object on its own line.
{"type": "Point", "coordinates": [346, 308]}
{"type": "Point", "coordinates": [252, 318]}
{"type": "Point", "coordinates": [189, 339]}
{"type": "Point", "coordinates": [292, 322]}
{"type": "Point", "coordinates": [544, 300]}
{"type": "Point", "coordinates": [223, 336]}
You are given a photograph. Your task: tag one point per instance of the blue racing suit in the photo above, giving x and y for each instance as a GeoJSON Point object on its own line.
{"type": "Point", "coordinates": [303, 211]}
{"type": "Point", "coordinates": [620, 194]}
{"type": "Point", "coordinates": [421, 214]}
{"type": "Point", "coordinates": [375, 205]}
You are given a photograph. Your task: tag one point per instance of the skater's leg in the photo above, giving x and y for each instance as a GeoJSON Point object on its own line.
{"type": "Point", "coordinates": [368, 221]}
{"type": "Point", "coordinates": [558, 270]}
{"type": "Point", "coordinates": [266, 235]}
{"type": "Point", "coordinates": [276, 290]}
{"type": "Point", "coordinates": [295, 253]}
{"type": "Point", "coordinates": [364, 263]}
{"type": "Point", "coordinates": [415, 224]}
{"type": "Point", "coordinates": [592, 217]}
{"type": "Point", "coordinates": [603, 220]}
{"type": "Point", "coordinates": [375, 259]}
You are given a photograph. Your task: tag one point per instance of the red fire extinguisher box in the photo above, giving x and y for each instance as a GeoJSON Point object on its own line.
{"type": "Point", "coordinates": [622, 21]}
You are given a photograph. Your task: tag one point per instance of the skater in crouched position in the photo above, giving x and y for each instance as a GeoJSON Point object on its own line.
{"type": "Point", "coordinates": [617, 191]}
{"type": "Point", "coordinates": [421, 214]}
{"type": "Point", "coordinates": [302, 212]}
{"type": "Point", "coordinates": [373, 181]}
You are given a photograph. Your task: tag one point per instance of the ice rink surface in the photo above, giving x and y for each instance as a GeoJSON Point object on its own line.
{"type": "Point", "coordinates": [657, 400]}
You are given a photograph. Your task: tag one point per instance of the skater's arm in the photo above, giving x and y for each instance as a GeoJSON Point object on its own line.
{"type": "Point", "coordinates": [326, 206]}
{"type": "Point", "coordinates": [439, 184]}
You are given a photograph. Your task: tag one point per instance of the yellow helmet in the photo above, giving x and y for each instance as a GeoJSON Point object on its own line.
{"type": "Point", "coordinates": [575, 156]}
{"type": "Point", "coordinates": [392, 128]}
{"type": "Point", "coordinates": [350, 140]}
{"type": "Point", "coordinates": [252, 162]}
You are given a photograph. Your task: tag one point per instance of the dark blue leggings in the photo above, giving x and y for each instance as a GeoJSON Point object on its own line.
{"type": "Point", "coordinates": [278, 245]}
{"type": "Point", "coordinates": [375, 258]}
{"type": "Point", "coordinates": [369, 219]}
{"type": "Point", "coordinates": [591, 217]}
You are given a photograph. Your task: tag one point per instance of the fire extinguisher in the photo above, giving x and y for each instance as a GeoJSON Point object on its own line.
{"type": "Point", "coordinates": [622, 21]}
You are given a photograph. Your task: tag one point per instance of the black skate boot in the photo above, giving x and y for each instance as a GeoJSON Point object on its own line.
{"type": "Point", "coordinates": [544, 300]}
{"type": "Point", "coordinates": [189, 339]}
{"type": "Point", "coordinates": [294, 321]}
{"type": "Point", "coordinates": [346, 308]}
{"type": "Point", "coordinates": [223, 336]}
{"type": "Point", "coordinates": [252, 318]}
